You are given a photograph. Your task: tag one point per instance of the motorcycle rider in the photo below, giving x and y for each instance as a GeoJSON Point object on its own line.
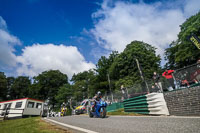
{"type": "Point", "coordinates": [96, 99]}
{"type": "Point", "coordinates": [98, 96]}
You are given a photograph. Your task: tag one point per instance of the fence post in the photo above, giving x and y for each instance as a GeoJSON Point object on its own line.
{"type": "Point", "coordinates": [141, 74]}
{"type": "Point", "coordinates": [110, 86]}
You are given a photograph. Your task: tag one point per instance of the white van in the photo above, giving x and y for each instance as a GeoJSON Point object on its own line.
{"type": "Point", "coordinates": [22, 107]}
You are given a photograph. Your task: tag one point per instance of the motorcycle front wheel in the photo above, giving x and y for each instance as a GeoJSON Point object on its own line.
{"type": "Point", "coordinates": [103, 112]}
{"type": "Point", "coordinates": [90, 114]}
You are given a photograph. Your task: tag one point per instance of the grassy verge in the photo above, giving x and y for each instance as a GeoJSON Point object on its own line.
{"type": "Point", "coordinates": [29, 125]}
{"type": "Point", "coordinates": [121, 112]}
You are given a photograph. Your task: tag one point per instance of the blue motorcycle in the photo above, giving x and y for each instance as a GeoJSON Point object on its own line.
{"type": "Point", "coordinates": [98, 109]}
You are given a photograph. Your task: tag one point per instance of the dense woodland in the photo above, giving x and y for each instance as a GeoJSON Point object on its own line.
{"type": "Point", "coordinates": [120, 67]}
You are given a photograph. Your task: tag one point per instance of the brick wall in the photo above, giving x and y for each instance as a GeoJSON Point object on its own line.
{"type": "Point", "coordinates": [185, 102]}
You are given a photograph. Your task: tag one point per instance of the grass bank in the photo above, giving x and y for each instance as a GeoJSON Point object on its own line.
{"type": "Point", "coordinates": [121, 112]}
{"type": "Point", "coordinates": [29, 125]}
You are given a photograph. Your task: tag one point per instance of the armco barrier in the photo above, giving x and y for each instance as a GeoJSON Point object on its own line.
{"type": "Point", "coordinates": [137, 104]}
{"type": "Point", "coordinates": [153, 103]}
{"type": "Point", "coordinates": [114, 107]}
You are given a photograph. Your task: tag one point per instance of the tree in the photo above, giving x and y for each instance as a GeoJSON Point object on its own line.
{"type": "Point", "coordinates": [47, 85]}
{"type": "Point", "coordinates": [19, 88]}
{"type": "Point", "coordinates": [183, 52]}
{"type": "Point", "coordinates": [3, 87]}
{"type": "Point", "coordinates": [124, 68]}
{"type": "Point", "coordinates": [65, 92]}
{"type": "Point", "coordinates": [84, 85]}
{"type": "Point", "coordinates": [10, 82]}
{"type": "Point", "coordinates": [103, 67]}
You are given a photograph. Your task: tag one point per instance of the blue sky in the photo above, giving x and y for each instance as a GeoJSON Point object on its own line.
{"type": "Point", "coordinates": [48, 21]}
{"type": "Point", "coordinates": [38, 35]}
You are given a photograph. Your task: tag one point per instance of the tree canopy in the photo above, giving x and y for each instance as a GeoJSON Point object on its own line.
{"type": "Point", "coordinates": [46, 85]}
{"type": "Point", "coordinates": [3, 87]}
{"type": "Point", "coordinates": [124, 69]}
{"type": "Point", "coordinates": [183, 52]}
{"type": "Point", "coordinates": [20, 87]}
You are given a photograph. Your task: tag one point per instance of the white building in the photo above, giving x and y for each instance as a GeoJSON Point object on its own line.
{"type": "Point", "coordinates": [22, 107]}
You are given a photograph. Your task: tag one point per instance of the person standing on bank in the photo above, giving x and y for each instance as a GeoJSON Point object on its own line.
{"type": "Point", "coordinates": [168, 75]}
{"type": "Point", "coordinates": [124, 93]}
{"type": "Point", "coordinates": [156, 80]}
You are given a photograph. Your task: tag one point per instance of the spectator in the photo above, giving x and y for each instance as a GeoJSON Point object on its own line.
{"type": "Point", "coordinates": [168, 75]}
{"type": "Point", "coordinates": [124, 93]}
{"type": "Point", "coordinates": [185, 83]}
{"type": "Point", "coordinates": [157, 83]}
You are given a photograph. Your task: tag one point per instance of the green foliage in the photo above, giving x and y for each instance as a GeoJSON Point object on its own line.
{"type": "Point", "coordinates": [19, 125]}
{"type": "Point", "coordinates": [183, 52]}
{"type": "Point", "coordinates": [84, 85]}
{"type": "Point", "coordinates": [19, 88]}
{"type": "Point", "coordinates": [3, 87]}
{"type": "Point", "coordinates": [28, 125]}
{"type": "Point", "coordinates": [65, 92]}
{"type": "Point", "coordinates": [121, 112]}
{"type": "Point", "coordinates": [125, 70]}
{"type": "Point", "coordinates": [10, 82]}
{"type": "Point", "coordinates": [103, 67]}
{"type": "Point", "coordinates": [47, 85]}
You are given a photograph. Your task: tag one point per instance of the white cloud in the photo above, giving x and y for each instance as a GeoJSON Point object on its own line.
{"type": "Point", "coordinates": [119, 23]}
{"type": "Point", "coordinates": [7, 42]}
{"type": "Point", "coordinates": [38, 58]}
{"type": "Point", "coordinates": [191, 7]}
{"type": "Point", "coordinates": [3, 24]}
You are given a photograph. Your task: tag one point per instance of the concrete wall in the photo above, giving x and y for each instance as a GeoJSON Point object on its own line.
{"type": "Point", "coordinates": [185, 102]}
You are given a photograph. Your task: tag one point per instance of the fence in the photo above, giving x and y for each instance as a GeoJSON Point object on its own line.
{"type": "Point", "coordinates": [114, 107]}
{"type": "Point", "coordinates": [187, 77]}
{"type": "Point", "coordinates": [182, 78]}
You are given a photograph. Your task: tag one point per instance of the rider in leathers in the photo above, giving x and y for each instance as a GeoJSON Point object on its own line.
{"type": "Point", "coordinates": [96, 99]}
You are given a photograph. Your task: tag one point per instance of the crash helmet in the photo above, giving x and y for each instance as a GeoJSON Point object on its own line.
{"type": "Point", "coordinates": [99, 93]}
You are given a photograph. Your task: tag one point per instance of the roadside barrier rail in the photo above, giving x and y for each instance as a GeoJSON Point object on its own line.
{"type": "Point", "coordinates": [153, 103]}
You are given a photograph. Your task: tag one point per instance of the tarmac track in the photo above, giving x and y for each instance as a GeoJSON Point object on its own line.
{"type": "Point", "coordinates": [130, 124]}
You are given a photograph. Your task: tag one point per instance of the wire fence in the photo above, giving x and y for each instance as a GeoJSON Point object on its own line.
{"type": "Point", "coordinates": [181, 78]}
{"type": "Point", "coordinates": [187, 77]}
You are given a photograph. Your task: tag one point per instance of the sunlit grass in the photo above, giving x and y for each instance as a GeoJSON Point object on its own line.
{"type": "Point", "coordinates": [29, 125]}
{"type": "Point", "coordinates": [121, 112]}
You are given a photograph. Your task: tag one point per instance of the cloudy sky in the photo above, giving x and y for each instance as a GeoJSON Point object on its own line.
{"type": "Point", "coordinates": [39, 35]}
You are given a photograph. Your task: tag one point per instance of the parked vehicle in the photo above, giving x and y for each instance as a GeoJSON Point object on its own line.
{"type": "Point", "coordinates": [82, 108]}
{"type": "Point", "coordinates": [98, 109]}
{"type": "Point", "coordinates": [21, 108]}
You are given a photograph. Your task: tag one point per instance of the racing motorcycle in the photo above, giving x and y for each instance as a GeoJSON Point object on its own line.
{"type": "Point", "coordinates": [98, 109]}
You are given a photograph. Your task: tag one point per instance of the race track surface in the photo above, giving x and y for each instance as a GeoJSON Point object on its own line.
{"type": "Point", "coordinates": [134, 124]}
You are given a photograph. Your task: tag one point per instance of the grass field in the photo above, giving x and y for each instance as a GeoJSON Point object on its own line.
{"type": "Point", "coordinates": [29, 125]}
{"type": "Point", "coordinates": [121, 112]}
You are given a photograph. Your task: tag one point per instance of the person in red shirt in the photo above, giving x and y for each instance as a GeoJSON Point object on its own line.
{"type": "Point", "coordinates": [168, 75]}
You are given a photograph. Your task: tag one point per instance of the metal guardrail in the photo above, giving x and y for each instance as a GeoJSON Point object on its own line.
{"type": "Point", "coordinates": [152, 103]}
{"type": "Point", "coordinates": [137, 105]}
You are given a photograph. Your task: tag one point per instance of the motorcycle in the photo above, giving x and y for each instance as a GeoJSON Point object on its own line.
{"type": "Point", "coordinates": [98, 109]}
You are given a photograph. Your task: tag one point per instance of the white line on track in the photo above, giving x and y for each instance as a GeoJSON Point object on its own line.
{"type": "Point", "coordinates": [70, 126]}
